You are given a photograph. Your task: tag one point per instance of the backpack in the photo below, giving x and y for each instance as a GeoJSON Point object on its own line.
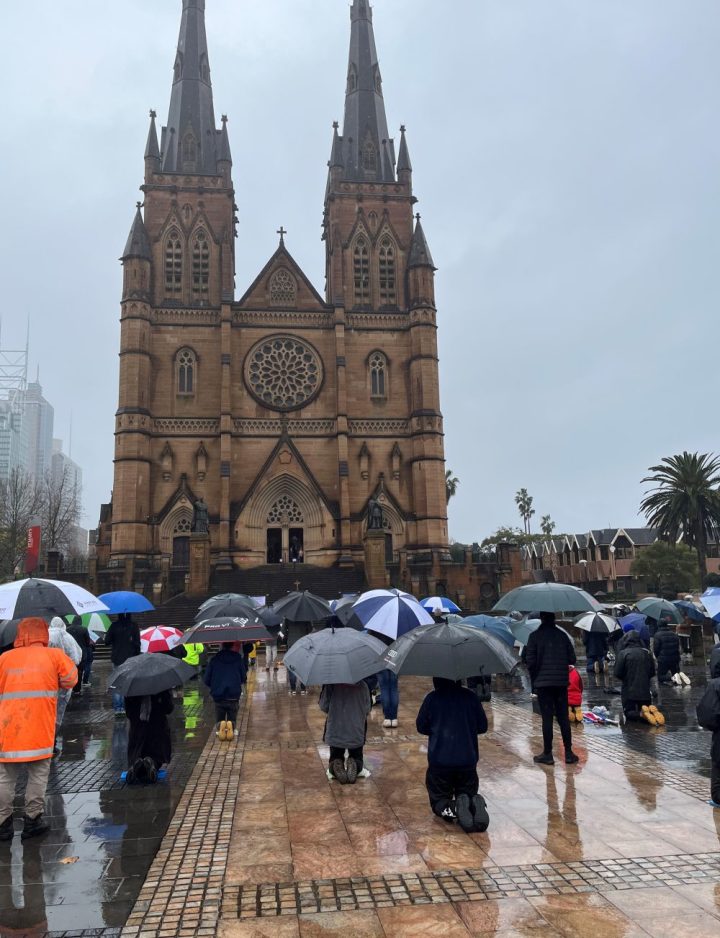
{"type": "Point", "coordinates": [708, 710]}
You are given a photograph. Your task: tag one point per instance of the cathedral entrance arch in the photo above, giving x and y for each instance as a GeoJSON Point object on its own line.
{"type": "Point", "coordinates": [284, 521]}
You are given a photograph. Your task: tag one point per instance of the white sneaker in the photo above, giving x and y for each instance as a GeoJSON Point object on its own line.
{"type": "Point", "coordinates": [363, 773]}
{"type": "Point", "coordinates": [293, 693]}
{"type": "Point", "coordinates": [676, 679]}
{"type": "Point", "coordinates": [394, 724]}
{"type": "Point", "coordinates": [387, 723]}
{"type": "Point", "coordinates": [331, 777]}
{"type": "Point", "coordinates": [684, 678]}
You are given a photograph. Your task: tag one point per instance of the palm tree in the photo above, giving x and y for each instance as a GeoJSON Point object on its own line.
{"type": "Point", "coordinates": [547, 525]}
{"type": "Point", "coordinates": [524, 503]}
{"type": "Point", "coordinates": [451, 485]}
{"type": "Point", "coordinates": [685, 503]}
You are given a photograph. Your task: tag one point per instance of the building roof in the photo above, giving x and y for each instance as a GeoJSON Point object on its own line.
{"type": "Point", "coordinates": [420, 255]}
{"type": "Point", "coordinates": [138, 243]}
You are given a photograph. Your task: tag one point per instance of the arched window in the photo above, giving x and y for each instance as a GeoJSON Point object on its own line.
{"type": "Point", "coordinates": [201, 264]}
{"type": "Point", "coordinates": [283, 289]}
{"type": "Point", "coordinates": [369, 156]}
{"type": "Point", "coordinates": [352, 80]}
{"type": "Point", "coordinates": [186, 371]}
{"type": "Point", "coordinates": [173, 263]}
{"type": "Point", "coordinates": [204, 68]}
{"type": "Point", "coordinates": [388, 293]}
{"type": "Point", "coordinates": [361, 270]}
{"type": "Point", "coordinates": [378, 375]}
{"type": "Point", "coordinates": [189, 152]}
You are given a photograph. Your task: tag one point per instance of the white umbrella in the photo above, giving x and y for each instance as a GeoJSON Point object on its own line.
{"type": "Point", "coordinates": [390, 612]}
{"type": "Point", "coordinates": [596, 622]}
{"type": "Point", "coordinates": [45, 599]}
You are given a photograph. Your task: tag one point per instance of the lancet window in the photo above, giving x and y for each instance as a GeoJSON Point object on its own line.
{"type": "Point", "coordinates": [388, 278]}
{"type": "Point", "coordinates": [186, 371]}
{"type": "Point", "coordinates": [173, 263]}
{"type": "Point", "coordinates": [361, 270]}
{"type": "Point", "coordinates": [201, 264]}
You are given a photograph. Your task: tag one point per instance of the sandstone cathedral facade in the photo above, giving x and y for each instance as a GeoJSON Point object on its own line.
{"type": "Point", "coordinates": [284, 410]}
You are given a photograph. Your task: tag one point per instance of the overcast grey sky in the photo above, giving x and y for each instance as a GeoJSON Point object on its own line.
{"type": "Point", "coordinates": [566, 156]}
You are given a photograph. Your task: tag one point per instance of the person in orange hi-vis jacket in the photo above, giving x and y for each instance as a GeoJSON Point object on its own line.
{"type": "Point", "coordinates": [30, 677]}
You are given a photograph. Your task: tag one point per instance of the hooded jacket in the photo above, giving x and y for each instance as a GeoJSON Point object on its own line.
{"type": "Point", "coordinates": [635, 667]}
{"type": "Point", "coordinates": [453, 718]}
{"type": "Point", "coordinates": [30, 677]}
{"type": "Point", "coordinates": [666, 646]}
{"type": "Point", "coordinates": [548, 656]}
{"type": "Point", "coordinates": [575, 689]}
{"type": "Point", "coordinates": [225, 675]}
{"type": "Point", "coordinates": [347, 707]}
{"type": "Point", "coordinates": [123, 639]}
{"type": "Point", "coordinates": [61, 638]}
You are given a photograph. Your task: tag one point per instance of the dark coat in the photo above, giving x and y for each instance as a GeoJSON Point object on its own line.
{"type": "Point", "coordinates": [635, 667]}
{"type": "Point", "coordinates": [642, 630]}
{"type": "Point", "coordinates": [666, 646]}
{"type": "Point", "coordinates": [294, 631]}
{"type": "Point", "coordinates": [123, 639]}
{"type": "Point", "coordinates": [347, 707]}
{"type": "Point", "coordinates": [453, 718]}
{"type": "Point", "coordinates": [225, 675]}
{"type": "Point", "coordinates": [548, 656]}
{"type": "Point", "coordinates": [150, 737]}
{"type": "Point", "coordinates": [81, 635]}
{"type": "Point", "coordinates": [596, 644]}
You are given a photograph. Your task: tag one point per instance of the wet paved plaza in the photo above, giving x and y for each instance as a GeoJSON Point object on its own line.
{"type": "Point", "coordinates": [251, 840]}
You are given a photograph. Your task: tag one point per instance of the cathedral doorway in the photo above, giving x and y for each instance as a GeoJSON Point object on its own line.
{"type": "Point", "coordinates": [297, 545]}
{"type": "Point", "coordinates": [181, 552]}
{"type": "Point", "coordinates": [274, 545]}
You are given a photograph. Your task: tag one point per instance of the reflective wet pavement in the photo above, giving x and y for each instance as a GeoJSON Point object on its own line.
{"type": "Point", "coordinates": [87, 872]}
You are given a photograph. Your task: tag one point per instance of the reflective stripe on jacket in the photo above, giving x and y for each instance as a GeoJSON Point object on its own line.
{"type": "Point", "coordinates": [30, 678]}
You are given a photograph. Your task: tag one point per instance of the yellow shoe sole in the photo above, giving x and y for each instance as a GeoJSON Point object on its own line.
{"type": "Point", "coordinates": [659, 718]}
{"type": "Point", "coordinates": [649, 716]}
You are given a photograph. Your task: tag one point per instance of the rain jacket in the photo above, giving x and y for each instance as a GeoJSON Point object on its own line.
{"type": "Point", "coordinates": [61, 638]}
{"type": "Point", "coordinates": [30, 677]}
{"type": "Point", "coordinates": [575, 690]}
{"type": "Point", "coordinates": [708, 710]}
{"type": "Point", "coordinates": [635, 667]}
{"type": "Point", "coordinates": [666, 646]}
{"type": "Point", "coordinates": [596, 644]}
{"type": "Point", "coordinates": [453, 718]}
{"type": "Point", "coordinates": [347, 707]}
{"type": "Point", "coordinates": [225, 675]}
{"type": "Point", "coordinates": [123, 639]}
{"type": "Point", "coordinates": [548, 655]}
{"type": "Point", "coordinates": [192, 654]}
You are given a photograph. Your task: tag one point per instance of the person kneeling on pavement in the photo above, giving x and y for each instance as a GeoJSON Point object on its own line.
{"type": "Point", "coordinates": [708, 714]}
{"type": "Point", "coordinates": [453, 718]}
{"type": "Point", "coordinates": [347, 707]}
{"type": "Point", "coordinates": [225, 676]}
{"type": "Point", "coordinates": [149, 740]}
{"type": "Point", "coordinates": [635, 667]}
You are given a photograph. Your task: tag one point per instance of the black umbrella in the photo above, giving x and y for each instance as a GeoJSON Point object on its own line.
{"type": "Point", "coordinates": [221, 597]}
{"type": "Point", "coordinates": [8, 632]}
{"type": "Point", "coordinates": [231, 607]}
{"type": "Point", "coordinates": [452, 651]}
{"type": "Point", "coordinates": [228, 629]}
{"type": "Point", "coordinates": [303, 607]}
{"type": "Point", "coordinates": [149, 674]}
{"type": "Point", "coordinates": [270, 619]}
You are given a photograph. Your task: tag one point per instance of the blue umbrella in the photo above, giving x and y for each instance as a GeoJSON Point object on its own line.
{"type": "Point", "coordinates": [496, 626]}
{"type": "Point", "coordinates": [439, 604]}
{"type": "Point", "coordinates": [690, 610]}
{"type": "Point", "coordinates": [122, 602]}
{"type": "Point", "coordinates": [632, 621]}
{"type": "Point", "coordinates": [390, 613]}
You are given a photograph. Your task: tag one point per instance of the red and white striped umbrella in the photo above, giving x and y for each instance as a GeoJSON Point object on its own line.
{"type": "Point", "coordinates": [160, 638]}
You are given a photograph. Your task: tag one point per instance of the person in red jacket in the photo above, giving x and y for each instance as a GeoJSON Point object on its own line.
{"type": "Point", "coordinates": [575, 692]}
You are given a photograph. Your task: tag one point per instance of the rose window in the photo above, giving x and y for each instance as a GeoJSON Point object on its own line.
{"type": "Point", "coordinates": [283, 373]}
{"type": "Point", "coordinates": [285, 511]}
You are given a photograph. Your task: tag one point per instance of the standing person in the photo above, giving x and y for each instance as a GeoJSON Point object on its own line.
{"type": "Point", "coordinates": [149, 739]}
{"type": "Point", "coordinates": [30, 677]}
{"type": "Point", "coordinates": [89, 661]}
{"type": "Point", "coordinates": [225, 676]}
{"type": "Point", "coordinates": [294, 631]}
{"type": "Point", "coordinates": [59, 637]}
{"type": "Point", "coordinates": [550, 653]}
{"type": "Point", "coordinates": [347, 707]}
{"type": "Point", "coordinates": [389, 697]}
{"type": "Point", "coordinates": [81, 635]}
{"type": "Point", "coordinates": [453, 718]}
{"type": "Point", "coordinates": [192, 655]}
{"type": "Point", "coordinates": [271, 655]}
{"type": "Point", "coordinates": [666, 646]}
{"type": "Point", "coordinates": [123, 639]}
{"type": "Point", "coordinates": [596, 647]}
{"type": "Point", "coordinates": [708, 715]}
{"type": "Point", "coordinates": [635, 668]}
{"type": "Point", "coordinates": [575, 696]}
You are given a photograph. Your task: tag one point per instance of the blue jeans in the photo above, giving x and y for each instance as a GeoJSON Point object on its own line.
{"type": "Point", "coordinates": [118, 702]}
{"type": "Point", "coordinates": [390, 694]}
{"type": "Point", "coordinates": [294, 681]}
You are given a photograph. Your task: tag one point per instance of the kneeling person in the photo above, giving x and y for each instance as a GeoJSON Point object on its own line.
{"type": "Point", "coordinates": [453, 718]}
{"type": "Point", "coordinates": [347, 707]}
{"type": "Point", "coordinates": [225, 676]}
{"type": "Point", "coordinates": [635, 667]}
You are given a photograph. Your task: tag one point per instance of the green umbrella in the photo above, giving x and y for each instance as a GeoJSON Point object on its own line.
{"type": "Point", "coordinates": [93, 621]}
{"type": "Point", "coordinates": [658, 609]}
{"type": "Point", "coordinates": [547, 597]}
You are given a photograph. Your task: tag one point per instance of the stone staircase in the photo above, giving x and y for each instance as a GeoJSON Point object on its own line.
{"type": "Point", "coordinates": [277, 580]}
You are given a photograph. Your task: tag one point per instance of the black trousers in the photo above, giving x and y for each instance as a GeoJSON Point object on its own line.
{"type": "Point", "coordinates": [553, 703]}
{"type": "Point", "coordinates": [715, 768]}
{"type": "Point", "coordinates": [444, 785]}
{"type": "Point", "coordinates": [357, 754]}
{"type": "Point", "coordinates": [226, 710]}
{"type": "Point", "coordinates": [632, 708]}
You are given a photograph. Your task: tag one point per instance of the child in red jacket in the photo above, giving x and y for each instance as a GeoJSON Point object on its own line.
{"type": "Point", "coordinates": [575, 692]}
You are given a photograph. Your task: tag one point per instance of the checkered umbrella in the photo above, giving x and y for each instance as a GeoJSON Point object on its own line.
{"type": "Point", "coordinates": [160, 638]}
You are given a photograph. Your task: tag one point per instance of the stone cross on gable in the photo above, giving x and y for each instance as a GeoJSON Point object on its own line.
{"type": "Point", "coordinates": [282, 232]}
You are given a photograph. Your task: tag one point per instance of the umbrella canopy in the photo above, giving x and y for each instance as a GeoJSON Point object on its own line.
{"type": "Point", "coordinates": [391, 613]}
{"type": "Point", "coordinates": [93, 621]}
{"type": "Point", "coordinates": [690, 610]}
{"type": "Point", "coordinates": [45, 599]}
{"type": "Point", "coordinates": [160, 638]}
{"type": "Point", "coordinates": [659, 609]}
{"type": "Point", "coordinates": [548, 597]}
{"type": "Point", "coordinates": [596, 622]}
{"type": "Point", "coordinates": [452, 651]}
{"type": "Point", "coordinates": [303, 607]}
{"type": "Point", "coordinates": [240, 607]}
{"type": "Point", "coordinates": [711, 600]}
{"type": "Point", "coordinates": [149, 674]}
{"type": "Point", "coordinates": [335, 656]}
{"type": "Point", "coordinates": [439, 604]}
{"type": "Point", "coordinates": [122, 602]}
{"type": "Point", "coordinates": [8, 632]}
{"type": "Point", "coordinates": [499, 627]}
{"type": "Point", "coordinates": [224, 597]}
{"type": "Point", "coordinates": [635, 620]}
{"type": "Point", "coordinates": [228, 629]}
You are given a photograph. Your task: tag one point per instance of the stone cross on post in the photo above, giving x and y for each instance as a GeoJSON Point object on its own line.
{"type": "Point", "coordinates": [297, 586]}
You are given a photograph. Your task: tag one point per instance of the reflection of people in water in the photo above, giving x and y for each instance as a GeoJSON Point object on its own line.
{"type": "Point", "coordinates": [645, 786]}
{"type": "Point", "coordinates": [22, 897]}
{"type": "Point", "coordinates": [563, 832]}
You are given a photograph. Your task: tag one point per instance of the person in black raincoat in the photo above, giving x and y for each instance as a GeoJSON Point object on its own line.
{"type": "Point", "coordinates": [149, 740]}
{"type": "Point", "coordinates": [635, 667]}
{"type": "Point", "coordinates": [666, 646]}
{"type": "Point", "coordinates": [596, 646]}
{"type": "Point", "coordinates": [708, 714]}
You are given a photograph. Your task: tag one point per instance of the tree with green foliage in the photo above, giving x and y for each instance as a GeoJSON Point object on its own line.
{"type": "Point", "coordinates": [547, 525]}
{"type": "Point", "coordinates": [667, 568]}
{"type": "Point", "coordinates": [685, 502]}
{"type": "Point", "coordinates": [712, 580]}
{"type": "Point", "coordinates": [524, 501]}
{"type": "Point", "coordinates": [451, 485]}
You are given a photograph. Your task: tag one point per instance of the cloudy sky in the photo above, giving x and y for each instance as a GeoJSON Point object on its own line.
{"type": "Point", "coordinates": [566, 156]}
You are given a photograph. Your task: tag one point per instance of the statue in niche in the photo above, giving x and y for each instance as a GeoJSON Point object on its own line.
{"type": "Point", "coordinates": [201, 518]}
{"type": "Point", "coordinates": [376, 518]}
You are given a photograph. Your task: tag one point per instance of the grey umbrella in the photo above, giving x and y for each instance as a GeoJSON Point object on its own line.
{"type": "Point", "coordinates": [547, 597]}
{"type": "Point", "coordinates": [302, 607]}
{"type": "Point", "coordinates": [335, 656]}
{"type": "Point", "coordinates": [230, 607]}
{"type": "Point", "coordinates": [449, 650]}
{"type": "Point", "coordinates": [658, 609]}
{"type": "Point", "coordinates": [149, 674]}
{"type": "Point", "coordinates": [8, 632]}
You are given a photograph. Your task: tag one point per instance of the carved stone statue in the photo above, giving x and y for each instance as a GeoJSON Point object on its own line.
{"type": "Point", "coordinates": [376, 518]}
{"type": "Point", "coordinates": [201, 518]}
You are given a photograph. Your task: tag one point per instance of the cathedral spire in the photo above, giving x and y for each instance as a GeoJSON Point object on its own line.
{"type": "Point", "coordinates": [369, 152]}
{"type": "Point", "coordinates": [190, 140]}
{"type": "Point", "coordinates": [138, 243]}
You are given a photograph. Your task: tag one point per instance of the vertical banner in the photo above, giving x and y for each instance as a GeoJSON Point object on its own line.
{"type": "Point", "coordinates": [32, 554]}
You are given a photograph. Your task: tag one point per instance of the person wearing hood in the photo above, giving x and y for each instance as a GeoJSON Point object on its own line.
{"type": "Point", "coordinates": [708, 715]}
{"type": "Point", "coordinates": [642, 630]}
{"type": "Point", "coordinates": [666, 646]}
{"type": "Point", "coordinates": [453, 718]}
{"type": "Point", "coordinates": [635, 668]}
{"type": "Point", "coordinates": [59, 637]}
{"type": "Point", "coordinates": [30, 677]}
{"type": "Point", "coordinates": [149, 739]}
{"type": "Point", "coordinates": [549, 654]}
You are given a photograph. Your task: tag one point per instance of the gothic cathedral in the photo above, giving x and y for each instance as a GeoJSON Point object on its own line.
{"type": "Point", "coordinates": [285, 411]}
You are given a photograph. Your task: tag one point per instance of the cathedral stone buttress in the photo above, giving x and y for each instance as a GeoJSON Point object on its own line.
{"type": "Point", "coordinates": [285, 410]}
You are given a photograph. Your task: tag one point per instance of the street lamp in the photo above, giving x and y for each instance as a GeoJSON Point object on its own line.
{"type": "Point", "coordinates": [612, 566]}
{"type": "Point", "coordinates": [584, 565]}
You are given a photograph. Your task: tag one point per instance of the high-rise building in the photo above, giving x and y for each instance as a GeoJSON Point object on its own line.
{"type": "Point", "coordinates": [63, 467]}
{"type": "Point", "coordinates": [39, 419]}
{"type": "Point", "coordinates": [13, 438]}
